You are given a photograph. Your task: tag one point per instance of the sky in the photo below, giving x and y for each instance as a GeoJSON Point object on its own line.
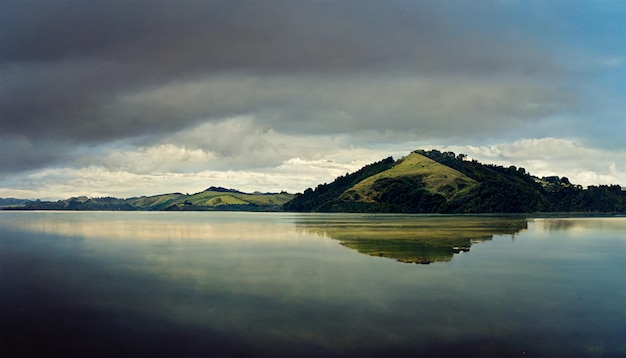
{"type": "Point", "coordinates": [128, 98]}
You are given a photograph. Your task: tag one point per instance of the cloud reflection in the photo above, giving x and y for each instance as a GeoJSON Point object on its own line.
{"type": "Point", "coordinates": [146, 226]}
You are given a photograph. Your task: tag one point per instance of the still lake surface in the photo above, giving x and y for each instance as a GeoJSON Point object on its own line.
{"type": "Point", "coordinates": [317, 285]}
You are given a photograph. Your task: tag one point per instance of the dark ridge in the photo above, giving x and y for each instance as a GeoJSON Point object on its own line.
{"type": "Point", "coordinates": [220, 189]}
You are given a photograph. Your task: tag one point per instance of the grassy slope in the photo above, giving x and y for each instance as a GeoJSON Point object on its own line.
{"type": "Point", "coordinates": [215, 198]}
{"type": "Point", "coordinates": [155, 202]}
{"type": "Point", "coordinates": [325, 196]}
{"type": "Point", "coordinates": [435, 177]}
{"type": "Point", "coordinates": [208, 199]}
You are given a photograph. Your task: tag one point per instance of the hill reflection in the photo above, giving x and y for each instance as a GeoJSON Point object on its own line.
{"type": "Point", "coordinates": [411, 239]}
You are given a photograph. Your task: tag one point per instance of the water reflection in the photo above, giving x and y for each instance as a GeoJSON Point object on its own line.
{"type": "Point", "coordinates": [108, 284]}
{"type": "Point", "coordinates": [154, 226]}
{"type": "Point", "coordinates": [563, 224]}
{"type": "Point", "coordinates": [412, 239]}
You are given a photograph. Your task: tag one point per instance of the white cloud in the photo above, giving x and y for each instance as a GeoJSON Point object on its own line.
{"type": "Point", "coordinates": [554, 156]}
{"type": "Point", "coordinates": [191, 161]}
{"type": "Point", "coordinates": [158, 158]}
{"type": "Point", "coordinates": [164, 168]}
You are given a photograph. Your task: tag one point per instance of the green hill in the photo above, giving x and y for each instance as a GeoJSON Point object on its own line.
{"type": "Point", "coordinates": [214, 198]}
{"type": "Point", "coordinates": [413, 184]}
{"type": "Point", "coordinates": [229, 199]}
{"type": "Point", "coordinates": [442, 182]}
{"type": "Point", "coordinates": [155, 202]}
{"type": "Point", "coordinates": [416, 168]}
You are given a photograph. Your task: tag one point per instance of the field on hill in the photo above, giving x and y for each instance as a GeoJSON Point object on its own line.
{"type": "Point", "coordinates": [422, 171]}
{"type": "Point", "coordinates": [229, 199]}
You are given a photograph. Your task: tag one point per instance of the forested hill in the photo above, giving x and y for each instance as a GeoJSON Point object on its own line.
{"type": "Point", "coordinates": [443, 182]}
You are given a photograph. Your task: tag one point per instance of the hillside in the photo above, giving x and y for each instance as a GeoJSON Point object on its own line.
{"type": "Point", "coordinates": [436, 182]}
{"type": "Point", "coordinates": [418, 169]}
{"type": "Point", "coordinates": [214, 198]}
{"type": "Point", "coordinates": [229, 199]}
{"type": "Point", "coordinates": [325, 196]}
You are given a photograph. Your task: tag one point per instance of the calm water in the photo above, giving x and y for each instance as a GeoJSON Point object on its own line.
{"type": "Point", "coordinates": [276, 284]}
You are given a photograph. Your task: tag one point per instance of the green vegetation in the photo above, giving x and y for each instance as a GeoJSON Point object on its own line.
{"type": "Point", "coordinates": [156, 202]}
{"type": "Point", "coordinates": [423, 171]}
{"type": "Point", "coordinates": [214, 198]}
{"type": "Point", "coordinates": [232, 200]}
{"type": "Point", "coordinates": [442, 182]}
{"type": "Point", "coordinates": [326, 196]}
{"type": "Point", "coordinates": [415, 184]}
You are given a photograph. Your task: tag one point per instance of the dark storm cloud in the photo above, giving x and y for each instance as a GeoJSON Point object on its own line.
{"type": "Point", "coordinates": [95, 71]}
{"type": "Point", "coordinates": [186, 36]}
{"type": "Point", "coordinates": [21, 153]}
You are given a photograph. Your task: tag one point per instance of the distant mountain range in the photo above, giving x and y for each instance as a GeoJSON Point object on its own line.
{"type": "Point", "coordinates": [422, 182]}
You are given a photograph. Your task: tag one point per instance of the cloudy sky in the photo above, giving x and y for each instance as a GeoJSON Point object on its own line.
{"type": "Point", "coordinates": [127, 98]}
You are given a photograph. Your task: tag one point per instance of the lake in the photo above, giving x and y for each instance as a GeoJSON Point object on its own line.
{"type": "Point", "coordinates": [310, 285]}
